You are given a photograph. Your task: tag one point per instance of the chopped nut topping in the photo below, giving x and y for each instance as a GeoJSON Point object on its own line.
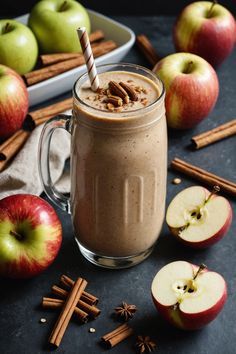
{"type": "Point", "coordinates": [101, 91]}
{"type": "Point", "coordinates": [144, 101]}
{"type": "Point", "coordinates": [108, 93]}
{"type": "Point", "coordinates": [117, 90]}
{"type": "Point", "coordinates": [138, 89]}
{"type": "Point", "coordinates": [115, 100]}
{"type": "Point", "coordinates": [110, 107]}
{"type": "Point", "coordinates": [130, 91]}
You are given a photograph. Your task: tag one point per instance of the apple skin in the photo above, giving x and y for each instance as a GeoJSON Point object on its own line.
{"type": "Point", "coordinates": [190, 322]}
{"type": "Point", "coordinates": [14, 102]}
{"type": "Point", "coordinates": [191, 89]}
{"type": "Point", "coordinates": [18, 46]}
{"type": "Point", "coordinates": [212, 38]}
{"type": "Point", "coordinates": [37, 223]}
{"type": "Point", "coordinates": [55, 30]}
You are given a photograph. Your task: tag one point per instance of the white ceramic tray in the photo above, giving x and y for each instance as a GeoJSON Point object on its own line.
{"type": "Point", "coordinates": [55, 86]}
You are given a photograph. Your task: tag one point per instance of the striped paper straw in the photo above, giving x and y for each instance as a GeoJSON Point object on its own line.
{"type": "Point", "coordinates": [88, 57]}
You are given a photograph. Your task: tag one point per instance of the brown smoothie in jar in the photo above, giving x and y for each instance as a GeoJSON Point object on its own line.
{"type": "Point", "coordinates": [118, 165]}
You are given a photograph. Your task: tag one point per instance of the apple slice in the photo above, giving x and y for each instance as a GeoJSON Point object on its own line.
{"type": "Point", "coordinates": [199, 218]}
{"type": "Point", "coordinates": [188, 296]}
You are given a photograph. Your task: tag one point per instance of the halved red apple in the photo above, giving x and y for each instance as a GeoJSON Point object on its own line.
{"type": "Point", "coordinates": [187, 296]}
{"type": "Point", "coordinates": [199, 218]}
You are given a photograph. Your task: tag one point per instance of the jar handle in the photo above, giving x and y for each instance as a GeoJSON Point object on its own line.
{"type": "Point", "coordinates": [61, 121]}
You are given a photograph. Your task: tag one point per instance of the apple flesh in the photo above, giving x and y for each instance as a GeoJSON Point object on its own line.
{"type": "Point", "coordinates": [54, 23]}
{"type": "Point", "coordinates": [18, 46]}
{"type": "Point", "coordinates": [185, 299]}
{"type": "Point", "coordinates": [198, 218]}
{"type": "Point", "coordinates": [192, 89]}
{"type": "Point", "coordinates": [205, 29]}
{"type": "Point", "coordinates": [30, 235]}
{"type": "Point", "coordinates": [14, 102]}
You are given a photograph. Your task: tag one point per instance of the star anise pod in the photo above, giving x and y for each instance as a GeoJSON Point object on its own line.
{"type": "Point", "coordinates": [144, 344]}
{"type": "Point", "coordinates": [125, 311]}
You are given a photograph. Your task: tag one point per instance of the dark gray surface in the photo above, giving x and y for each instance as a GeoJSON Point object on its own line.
{"type": "Point", "coordinates": [20, 330]}
{"type": "Point", "coordinates": [11, 8]}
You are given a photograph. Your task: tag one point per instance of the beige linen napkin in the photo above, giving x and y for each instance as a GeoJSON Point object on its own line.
{"type": "Point", "coordinates": [22, 174]}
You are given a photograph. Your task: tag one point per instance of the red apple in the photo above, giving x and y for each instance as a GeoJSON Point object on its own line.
{"type": "Point", "coordinates": [207, 29]}
{"type": "Point", "coordinates": [198, 218]}
{"type": "Point", "coordinates": [187, 296]}
{"type": "Point", "coordinates": [30, 235]}
{"type": "Point", "coordinates": [192, 88]}
{"type": "Point", "coordinates": [14, 101]}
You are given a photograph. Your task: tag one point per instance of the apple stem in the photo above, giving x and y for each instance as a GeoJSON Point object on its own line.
{"type": "Point", "coordinates": [214, 2]}
{"type": "Point", "coordinates": [200, 269]}
{"type": "Point", "coordinates": [16, 235]}
{"type": "Point", "coordinates": [214, 191]}
{"type": "Point", "coordinates": [6, 28]}
{"type": "Point", "coordinates": [63, 6]}
{"type": "Point", "coordinates": [188, 68]}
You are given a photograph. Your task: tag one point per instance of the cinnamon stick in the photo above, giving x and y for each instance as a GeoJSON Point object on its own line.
{"type": "Point", "coordinates": [11, 146]}
{"type": "Point", "coordinates": [52, 303]}
{"type": "Point", "coordinates": [118, 335]}
{"type": "Point", "coordinates": [42, 115]}
{"type": "Point", "coordinates": [204, 176]}
{"type": "Point", "coordinates": [67, 312]}
{"type": "Point", "coordinates": [147, 49]}
{"type": "Point", "coordinates": [93, 311]}
{"type": "Point", "coordinates": [211, 136]}
{"type": "Point", "coordinates": [86, 297]}
{"type": "Point", "coordinates": [47, 72]}
{"type": "Point", "coordinates": [49, 59]}
{"type": "Point", "coordinates": [96, 36]}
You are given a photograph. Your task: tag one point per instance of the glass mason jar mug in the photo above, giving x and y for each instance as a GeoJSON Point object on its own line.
{"type": "Point", "coordinates": [118, 174]}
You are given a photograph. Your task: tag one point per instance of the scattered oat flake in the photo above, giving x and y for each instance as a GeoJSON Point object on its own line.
{"type": "Point", "coordinates": [92, 330]}
{"type": "Point", "coordinates": [176, 181]}
{"type": "Point", "coordinates": [42, 320]}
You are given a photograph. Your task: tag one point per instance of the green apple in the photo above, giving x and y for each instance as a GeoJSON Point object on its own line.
{"type": "Point", "coordinates": [18, 46]}
{"type": "Point", "coordinates": [54, 23]}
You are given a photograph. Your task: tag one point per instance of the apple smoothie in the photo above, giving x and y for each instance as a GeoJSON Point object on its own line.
{"type": "Point", "coordinates": [118, 165]}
